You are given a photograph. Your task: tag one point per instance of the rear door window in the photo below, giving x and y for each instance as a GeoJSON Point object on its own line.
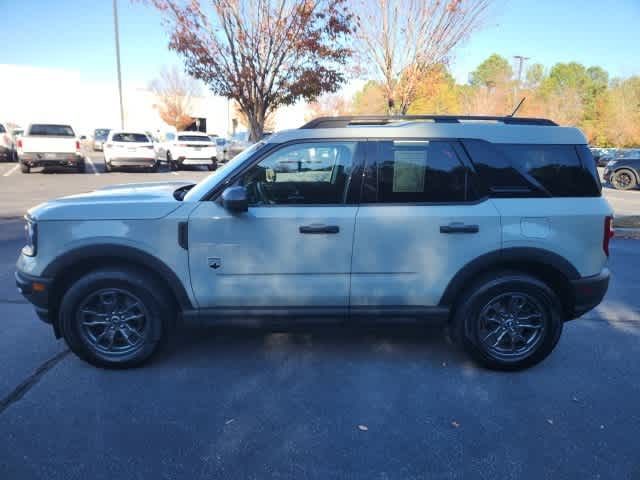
{"type": "Point", "coordinates": [416, 171]}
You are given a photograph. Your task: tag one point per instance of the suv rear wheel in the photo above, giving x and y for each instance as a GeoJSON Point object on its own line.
{"type": "Point", "coordinates": [509, 321]}
{"type": "Point", "coordinates": [115, 318]}
{"type": "Point", "coordinates": [24, 168]}
{"type": "Point", "coordinates": [624, 179]}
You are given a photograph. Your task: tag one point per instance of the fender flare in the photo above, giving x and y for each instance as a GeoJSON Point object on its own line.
{"type": "Point", "coordinates": [125, 253]}
{"type": "Point", "coordinates": [503, 259]}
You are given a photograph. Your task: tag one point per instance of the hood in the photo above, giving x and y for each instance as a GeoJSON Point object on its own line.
{"type": "Point", "coordinates": [131, 201]}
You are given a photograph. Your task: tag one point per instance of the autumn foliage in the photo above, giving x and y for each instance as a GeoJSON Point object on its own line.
{"type": "Point", "coordinates": [262, 53]}
{"type": "Point", "coordinates": [174, 92]}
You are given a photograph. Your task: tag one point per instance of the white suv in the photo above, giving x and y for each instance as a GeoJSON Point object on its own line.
{"type": "Point", "coordinates": [188, 148]}
{"type": "Point", "coordinates": [494, 227]}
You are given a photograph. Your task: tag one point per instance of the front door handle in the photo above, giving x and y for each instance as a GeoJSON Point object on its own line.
{"type": "Point", "coordinates": [459, 228]}
{"type": "Point", "coordinates": [316, 228]}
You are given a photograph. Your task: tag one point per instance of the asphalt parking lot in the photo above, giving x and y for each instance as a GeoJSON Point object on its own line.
{"type": "Point", "coordinates": [317, 403]}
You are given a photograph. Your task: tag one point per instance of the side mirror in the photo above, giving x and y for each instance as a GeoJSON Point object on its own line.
{"type": "Point", "coordinates": [235, 200]}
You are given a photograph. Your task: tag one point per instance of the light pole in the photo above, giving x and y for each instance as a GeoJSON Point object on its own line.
{"type": "Point", "coordinates": [115, 25]}
{"type": "Point", "coordinates": [521, 59]}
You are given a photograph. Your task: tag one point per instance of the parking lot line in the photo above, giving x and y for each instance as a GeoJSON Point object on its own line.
{"type": "Point", "coordinates": [174, 173]}
{"type": "Point", "coordinates": [11, 170]}
{"type": "Point", "coordinates": [93, 167]}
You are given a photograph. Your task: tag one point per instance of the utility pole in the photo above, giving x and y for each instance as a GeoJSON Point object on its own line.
{"type": "Point", "coordinates": [521, 61]}
{"type": "Point", "coordinates": [115, 24]}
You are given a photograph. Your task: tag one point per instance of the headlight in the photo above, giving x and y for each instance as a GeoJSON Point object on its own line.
{"type": "Point", "coordinates": [31, 237]}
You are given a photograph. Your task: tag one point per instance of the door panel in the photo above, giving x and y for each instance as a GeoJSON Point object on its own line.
{"type": "Point", "coordinates": [401, 258]}
{"type": "Point", "coordinates": [264, 260]}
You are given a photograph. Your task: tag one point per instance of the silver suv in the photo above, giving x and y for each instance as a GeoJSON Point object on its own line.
{"type": "Point", "coordinates": [494, 227]}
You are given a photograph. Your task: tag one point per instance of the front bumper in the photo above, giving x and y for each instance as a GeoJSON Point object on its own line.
{"type": "Point", "coordinates": [588, 292]}
{"type": "Point", "coordinates": [36, 291]}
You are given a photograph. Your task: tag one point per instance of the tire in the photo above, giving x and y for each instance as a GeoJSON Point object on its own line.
{"type": "Point", "coordinates": [173, 166]}
{"type": "Point", "coordinates": [624, 179]}
{"type": "Point", "coordinates": [211, 168]}
{"type": "Point", "coordinates": [107, 166]}
{"type": "Point", "coordinates": [485, 330]}
{"type": "Point", "coordinates": [82, 168]}
{"type": "Point", "coordinates": [154, 167]}
{"type": "Point", "coordinates": [113, 340]}
{"type": "Point", "coordinates": [24, 168]}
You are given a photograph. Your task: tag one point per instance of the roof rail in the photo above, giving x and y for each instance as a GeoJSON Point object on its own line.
{"type": "Point", "coordinates": [353, 120]}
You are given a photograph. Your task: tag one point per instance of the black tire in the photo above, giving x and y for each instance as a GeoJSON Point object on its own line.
{"type": "Point", "coordinates": [173, 165]}
{"type": "Point", "coordinates": [624, 179]}
{"type": "Point", "coordinates": [24, 168]}
{"type": "Point", "coordinates": [211, 168]}
{"type": "Point", "coordinates": [154, 167]}
{"type": "Point", "coordinates": [127, 287]}
{"type": "Point", "coordinates": [473, 317]}
{"type": "Point", "coordinates": [82, 168]}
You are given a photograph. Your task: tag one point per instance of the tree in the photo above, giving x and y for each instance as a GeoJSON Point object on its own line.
{"type": "Point", "coordinates": [241, 117]}
{"type": "Point", "coordinates": [399, 39]}
{"type": "Point", "coordinates": [371, 100]}
{"type": "Point", "coordinates": [174, 93]}
{"type": "Point", "coordinates": [493, 71]}
{"type": "Point", "coordinates": [262, 53]}
{"type": "Point", "coordinates": [621, 114]}
{"type": "Point", "coordinates": [534, 76]}
{"type": "Point", "coordinates": [329, 105]}
{"type": "Point", "coordinates": [436, 93]}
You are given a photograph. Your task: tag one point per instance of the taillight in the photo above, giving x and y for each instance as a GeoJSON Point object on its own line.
{"type": "Point", "coordinates": [19, 143]}
{"type": "Point", "coordinates": [77, 145]}
{"type": "Point", "coordinates": [608, 234]}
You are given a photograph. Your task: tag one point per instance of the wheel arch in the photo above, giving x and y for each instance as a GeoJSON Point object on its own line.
{"type": "Point", "coordinates": [554, 270]}
{"type": "Point", "coordinates": [631, 169]}
{"type": "Point", "coordinates": [75, 263]}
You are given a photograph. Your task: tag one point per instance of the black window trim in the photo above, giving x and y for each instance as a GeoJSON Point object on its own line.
{"type": "Point", "coordinates": [355, 181]}
{"type": "Point", "coordinates": [457, 146]}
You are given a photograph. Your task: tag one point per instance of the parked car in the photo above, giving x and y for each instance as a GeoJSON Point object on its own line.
{"type": "Point", "coordinates": [129, 149]}
{"type": "Point", "coordinates": [496, 230]}
{"type": "Point", "coordinates": [47, 144]}
{"type": "Point", "coordinates": [623, 173]}
{"type": "Point", "coordinates": [238, 143]}
{"type": "Point", "coordinates": [99, 138]}
{"type": "Point", "coordinates": [188, 148]}
{"type": "Point", "coordinates": [222, 145]}
{"type": "Point", "coordinates": [7, 145]}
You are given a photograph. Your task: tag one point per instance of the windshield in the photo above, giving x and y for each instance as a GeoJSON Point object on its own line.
{"type": "Point", "coordinates": [51, 130]}
{"type": "Point", "coordinates": [204, 186]}
{"type": "Point", "coordinates": [130, 138]}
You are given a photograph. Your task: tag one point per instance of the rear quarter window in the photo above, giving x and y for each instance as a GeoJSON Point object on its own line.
{"type": "Point", "coordinates": [534, 169]}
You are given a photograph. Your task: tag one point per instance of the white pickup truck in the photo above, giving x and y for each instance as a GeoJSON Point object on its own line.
{"type": "Point", "coordinates": [44, 145]}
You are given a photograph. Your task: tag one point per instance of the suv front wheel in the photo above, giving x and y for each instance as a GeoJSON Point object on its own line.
{"type": "Point", "coordinates": [115, 318]}
{"type": "Point", "coordinates": [509, 321]}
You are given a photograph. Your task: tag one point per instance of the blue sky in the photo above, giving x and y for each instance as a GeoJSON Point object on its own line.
{"type": "Point", "coordinates": [78, 35]}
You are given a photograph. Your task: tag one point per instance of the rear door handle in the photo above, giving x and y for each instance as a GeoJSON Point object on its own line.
{"type": "Point", "coordinates": [315, 228]}
{"type": "Point", "coordinates": [459, 228]}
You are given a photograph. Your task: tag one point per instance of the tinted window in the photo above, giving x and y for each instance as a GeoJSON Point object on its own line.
{"type": "Point", "coordinates": [308, 173]}
{"type": "Point", "coordinates": [130, 137]}
{"type": "Point", "coordinates": [170, 136]}
{"type": "Point", "coordinates": [193, 138]}
{"type": "Point", "coordinates": [419, 171]}
{"type": "Point", "coordinates": [101, 133]}
{"type": "Point", "coordinates": [533, 169]}
{"type": "Point", "coordinates": [2, 130]}
{"type": "Point", "coordinates": [51, 130]}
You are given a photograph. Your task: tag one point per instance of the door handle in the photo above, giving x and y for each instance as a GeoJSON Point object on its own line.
{"type": "Point", "coordinates": [315, 228]}
{"type": "Point", "coordinates": [459, 228]}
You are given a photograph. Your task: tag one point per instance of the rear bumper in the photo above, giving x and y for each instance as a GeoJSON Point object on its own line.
{"type": "Point", "coordinates": [61, 159]}
{"type": "Point", "coordinates": [197, 161]}
{"type": "Point", "coordinates": [36, 291]}
{"type": "Point", "coordinates": [588, 292]}
{"type": "Point", "coordinates": [132, 162]}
